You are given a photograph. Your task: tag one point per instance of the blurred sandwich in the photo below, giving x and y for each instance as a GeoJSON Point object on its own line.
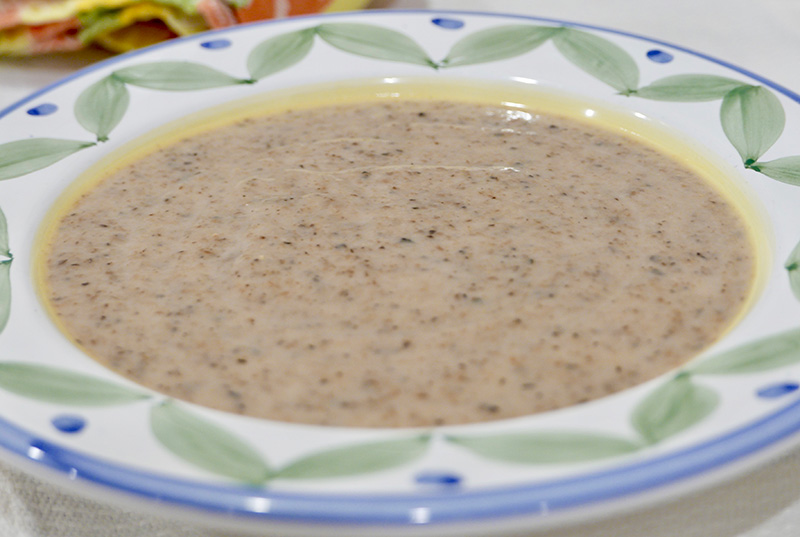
{"type": "Point", "coordinates": [30, 27]}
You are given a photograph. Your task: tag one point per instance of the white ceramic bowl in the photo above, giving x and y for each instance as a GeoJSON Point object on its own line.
{"type": "Point", "coordinates": [66, 418]}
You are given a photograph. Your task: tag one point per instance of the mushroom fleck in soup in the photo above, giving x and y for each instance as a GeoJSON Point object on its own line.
{"type": "Point", "coordinates": [398, 262]}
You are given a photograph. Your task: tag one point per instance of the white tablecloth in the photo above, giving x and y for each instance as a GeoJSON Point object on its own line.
{"type": "Point", "coordinates": [761, 35]}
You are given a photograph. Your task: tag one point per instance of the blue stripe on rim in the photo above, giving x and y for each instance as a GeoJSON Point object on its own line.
{"type": "Point", "coordinates": [395, 509]}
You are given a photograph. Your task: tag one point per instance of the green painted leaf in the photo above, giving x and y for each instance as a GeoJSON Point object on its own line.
{"type": "Point", "coordinates": [752, 119]}
{"type": "Point", "coordinates": [5, 293]}
{"type": "Point", "coordinates": [792, 266]}
{"type": "Point", "coordinates": [61, 386]}
{"type": "Point", "coordinates": [206, 445]}
{"type": "Point", "coordinates": [101, 106]}
{"type": "Point", "coordinates": [26, 156]}
{"type": "Point", "coordinates": [176, 76]}
{"type": "Point", "coordinates": [672, 408]}
{"type": "Point", "coordinates": [374, 42]}
{"type": "Point", "coordinates": [689, 88]}
{"type": "Point", "coordinates": [546, 447]}
{"type": "Point", "coordinates": [5, 250]}
{"type": "Point", "coordinates": [497, 43]}
{"type": "Point", "coordinates": [768, 353]}
{"type": "Point", "coordinates": [785, 170]}
{"type": "Point", "coordinates": [600, 58]}
{"type": "Point", "coordinates": [280, 52]}
{"type": "Point", "coordinates": [357, 459]}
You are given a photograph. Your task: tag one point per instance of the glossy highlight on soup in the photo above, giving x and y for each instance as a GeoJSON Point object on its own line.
{"type": "Point", "coordinates": [396, 262]}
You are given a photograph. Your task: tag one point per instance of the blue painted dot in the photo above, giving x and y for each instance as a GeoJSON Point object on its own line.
{"type": "Point", "coordinates": [780, 389]}
{"type": "Point", "coordinates": [43, 110]}
{"type": "Point", "coordinates": [69, 423]}
{"type": "Point", "coordinates": [216, 44]}
{"type": "Point", "coordinates": [439, 479]}
{"type": "Point", "coordinates": [449, 24]}
{"type": "Point", "coordinates": [660, 56]}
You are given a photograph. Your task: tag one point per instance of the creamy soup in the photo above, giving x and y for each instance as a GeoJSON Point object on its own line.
{"type": "Point", "coordinates": [398, 263]}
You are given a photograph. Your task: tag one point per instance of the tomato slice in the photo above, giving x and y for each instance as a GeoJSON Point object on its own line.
{"type": "Point", "coordinates": [271, 9]}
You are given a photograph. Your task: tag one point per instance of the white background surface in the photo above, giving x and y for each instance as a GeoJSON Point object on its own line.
{"type": "Point", "coordinates": [760, 35]}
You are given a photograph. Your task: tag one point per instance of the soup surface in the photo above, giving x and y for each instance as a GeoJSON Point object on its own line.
{"type": "Point", "coordinates": [398, 263]}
